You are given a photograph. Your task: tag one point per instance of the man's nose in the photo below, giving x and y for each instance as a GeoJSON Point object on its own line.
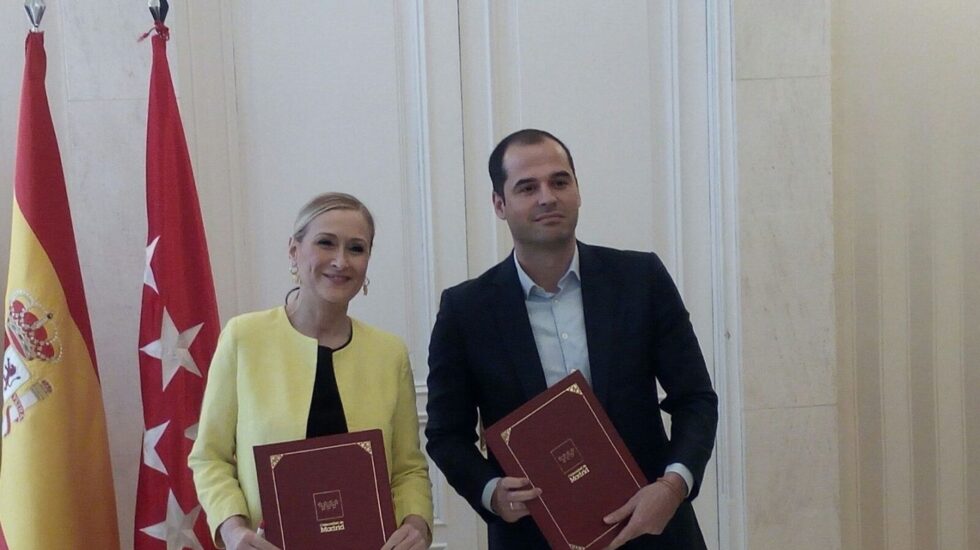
{"type": "Point", "coordinates": [547, 195]}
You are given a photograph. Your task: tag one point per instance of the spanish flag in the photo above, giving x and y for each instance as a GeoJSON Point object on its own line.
{"type": "Point", "coordinates": [55, 478]}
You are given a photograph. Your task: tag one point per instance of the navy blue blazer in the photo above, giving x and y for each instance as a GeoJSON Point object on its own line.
{"type": "Point", "coordinates": [483, 364]}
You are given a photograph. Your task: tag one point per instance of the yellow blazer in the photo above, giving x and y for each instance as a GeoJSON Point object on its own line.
{"type": "Point", "coordinates": [259, 390]}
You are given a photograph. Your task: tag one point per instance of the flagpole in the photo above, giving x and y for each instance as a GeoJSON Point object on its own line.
{"type": "Point", "coordinates": [35, 12]}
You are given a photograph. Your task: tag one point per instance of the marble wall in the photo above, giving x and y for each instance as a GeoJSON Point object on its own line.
{"type": "Point", "coordinates": [783, 126]}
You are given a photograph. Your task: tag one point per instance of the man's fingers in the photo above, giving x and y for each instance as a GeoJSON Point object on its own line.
{"type": "Point", "coordinates": [627, 534]}
{"type": "Point", "coordinates": [620, 513]}
{"type": "Point", "coordinates": [510, 497]}
{"type": "Point", "coordinates": [514, 482]}
{"type": "Point", "coordinates": [524, 495]}
{"type": "Point", "coordinates": [514, 511]}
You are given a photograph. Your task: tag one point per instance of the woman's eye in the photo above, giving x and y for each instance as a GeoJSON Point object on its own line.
{"type": "Point", "coordinates": [357, 249]}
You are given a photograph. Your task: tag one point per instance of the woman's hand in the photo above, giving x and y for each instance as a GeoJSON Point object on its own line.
{"type": "Point", "coordinates": [237, 535]}
{"type": "Point", "coordinates": [412, 535]}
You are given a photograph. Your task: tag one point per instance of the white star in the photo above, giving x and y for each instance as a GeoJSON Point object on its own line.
{"type": "Point", "coordinates": [150, 439]}
{"type": "Point", "coordinates": [172, 349]}
{"type": "Point", "coordinates": [191, 432]}
{"type": "Point", "coordinates": [178, 528]}
{"type": "Point", "coordinates": [148, 278]}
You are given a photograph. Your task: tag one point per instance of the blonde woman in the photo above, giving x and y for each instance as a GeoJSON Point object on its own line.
{"type": "Point", "coordinates": [308, 369]}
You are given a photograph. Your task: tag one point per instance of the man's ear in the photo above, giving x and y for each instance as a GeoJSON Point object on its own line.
{"type": "Point", "coordinates": [498, 204]}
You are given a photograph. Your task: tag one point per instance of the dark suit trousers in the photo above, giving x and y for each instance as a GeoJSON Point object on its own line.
{"type": "Point", "coordinates": [682, 533]}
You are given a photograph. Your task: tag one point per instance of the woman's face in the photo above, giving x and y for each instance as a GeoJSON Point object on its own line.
{"type": "Point", "coordinates": [332, 258]}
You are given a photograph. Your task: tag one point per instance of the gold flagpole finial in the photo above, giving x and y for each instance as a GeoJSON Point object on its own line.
{"type": "Point", "coordinates": [35, 12]}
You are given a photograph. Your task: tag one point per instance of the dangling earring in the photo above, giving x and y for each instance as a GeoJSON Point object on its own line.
{"type": "Point", "coordinates": [366, 283]}
{"type": "Point", "coordinates": [294, 272]}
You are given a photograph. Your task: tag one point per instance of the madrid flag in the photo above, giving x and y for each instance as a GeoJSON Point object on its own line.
{"type": "Point", "coordinates": [55, 479]}
{"type": "Point", "coordinates": [178, 327]}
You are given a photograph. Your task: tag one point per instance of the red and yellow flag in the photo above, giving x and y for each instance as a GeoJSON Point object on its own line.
{"type": "Point", "coordinates": [55, 478]}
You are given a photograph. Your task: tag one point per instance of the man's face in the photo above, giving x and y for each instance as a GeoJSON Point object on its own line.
{"type": "Point", "coordinates": [541, 199]}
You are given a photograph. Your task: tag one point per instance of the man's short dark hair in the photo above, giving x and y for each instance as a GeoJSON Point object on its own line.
{"type": "Point", "coordinates": [528, 136]}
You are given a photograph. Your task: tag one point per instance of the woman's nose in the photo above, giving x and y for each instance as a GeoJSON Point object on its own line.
{"type": "Point", "coordinates": [339, 260]}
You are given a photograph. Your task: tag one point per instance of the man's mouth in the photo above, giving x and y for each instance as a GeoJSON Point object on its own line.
{"type": "Point", "coordinates": [549, 216]}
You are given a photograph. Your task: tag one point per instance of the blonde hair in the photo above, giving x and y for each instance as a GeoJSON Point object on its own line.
{"type": "Point", "coordinates": [325, 203]}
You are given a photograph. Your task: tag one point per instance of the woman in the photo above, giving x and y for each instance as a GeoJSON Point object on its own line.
{"type": "Point", "coordinates": [305, 370]}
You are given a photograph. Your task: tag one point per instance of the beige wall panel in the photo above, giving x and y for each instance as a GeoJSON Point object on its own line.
{"type": "Point", "coordinates": [844, 293]}
{"type": "Point", "coordinates": [947, 350]}
{"type": "Point", "coordinates": [895, 389]}
{"type": "Point", "coordinates": [922, 367]}
{"type": "Point", "coordinates": [971, 351]}
{"type": "Point", "coordinates": [787, 242]}
{"type": "Point", "coordinates": [782, 38]}
{"type": "Point", "coordinates": [868, 376]}
{"type": "Point", "coordinates": [906, 118]}
{"type": "Point", "coordinates": [789, 453]}
{"type": "Point", "coordinates": [782, 63]}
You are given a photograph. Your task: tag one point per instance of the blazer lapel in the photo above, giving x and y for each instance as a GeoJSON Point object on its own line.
{"type": "Point", "coordinates": [599, 304]}
{"type": "Point", "coordinates": [510, 313]}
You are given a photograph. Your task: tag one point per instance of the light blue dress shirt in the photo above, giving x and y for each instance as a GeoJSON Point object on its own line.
{"type": "Point", "coordinates": [558, 324]}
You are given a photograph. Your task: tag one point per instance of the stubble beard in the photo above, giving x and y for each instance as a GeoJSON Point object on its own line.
{"type": "Point", "coordinates": [545, 239]}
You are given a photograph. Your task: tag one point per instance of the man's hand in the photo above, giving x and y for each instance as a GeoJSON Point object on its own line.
{"type": "Point", "coordinates": [649, 510]}
{"type": "Point", "coordinates": [237, 536]}
{"type": "Point", "coordinates": [412, 535]}
{"type": "Point", "coordinates": [509, 498]}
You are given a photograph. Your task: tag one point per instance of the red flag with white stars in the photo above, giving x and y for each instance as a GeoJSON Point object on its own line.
{"type": "Point", "coordinates": [178, 326]}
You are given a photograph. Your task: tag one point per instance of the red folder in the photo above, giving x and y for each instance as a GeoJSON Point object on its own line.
{"type": "Point", "coordinates": [326, 492]}
{"type": "Point", "coordinates": [564, 443]}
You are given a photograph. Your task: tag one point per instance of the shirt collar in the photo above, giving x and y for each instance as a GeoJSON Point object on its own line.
{"type": "Point", "coordinates": [528, 285]}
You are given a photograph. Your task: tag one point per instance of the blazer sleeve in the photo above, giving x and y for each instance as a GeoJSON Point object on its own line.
{"type": "Point", "coordinates": [452, 408]}
{"type": "Point", "coordinates": [410, 486]}
{"type": "Point", "coordinates": [212, 458]}
{"type": "Point", "coordinates": [691, 402]}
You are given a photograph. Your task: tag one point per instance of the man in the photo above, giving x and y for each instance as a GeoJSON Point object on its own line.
{"type": "Point", "coordinates": [554, 306]}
